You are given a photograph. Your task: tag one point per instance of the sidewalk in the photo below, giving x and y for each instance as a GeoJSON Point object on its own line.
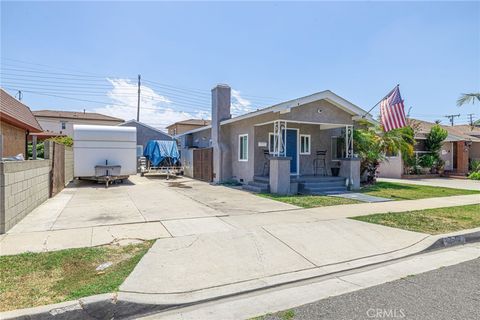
{"type": "Point", "coordinates": [439, 182]}
{"type": "Point", "coordinates": [347, 210]}
{"type": "Point", "coordinates": [39, 241]}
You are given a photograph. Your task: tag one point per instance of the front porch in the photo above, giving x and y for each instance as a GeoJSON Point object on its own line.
{"type": "Point", "coordinates": [312, 154]}
{"type": "Point", "coordinates": [305, 184]}
{"type": "Point", "coordinates": [314, 147]}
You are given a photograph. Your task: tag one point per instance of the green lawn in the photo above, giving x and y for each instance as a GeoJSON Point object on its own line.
{"type": "Point", "coordinates": [432, 221]}
{"type": "Point", "coordinates": [399, 191]}
{"type": "Point", "coordinates": [33, 279]}
{"type": "Point", "coordinates": [307, 201]}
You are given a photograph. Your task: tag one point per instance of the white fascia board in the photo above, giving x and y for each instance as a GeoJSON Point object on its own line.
{"type": "Point", "coordinates": [324, 95]}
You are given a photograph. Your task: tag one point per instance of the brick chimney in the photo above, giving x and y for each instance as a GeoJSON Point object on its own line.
{"type": "Point", "coordinates": [221, 96]}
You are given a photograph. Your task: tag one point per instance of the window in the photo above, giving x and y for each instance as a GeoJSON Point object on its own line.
{"type": "Point", "coordinates": [304, 144]}
{"type": "Point", "coordinates": [64, 125]}
{"type": "Point", "coordinates": [271, 142]}
{"type": "Point", "coordinates": [338, 148]}
{"type": "Point", "coordinates": [243, 147]}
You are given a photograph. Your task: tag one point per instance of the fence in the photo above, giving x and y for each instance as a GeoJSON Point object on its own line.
{"type": "Point", "coordinates": [24, 185]}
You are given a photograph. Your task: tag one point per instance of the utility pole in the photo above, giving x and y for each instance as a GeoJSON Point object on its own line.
{"type": "Point", "coordinates": [470, 115]}
{"type": "Point", "coordinates": [138, 98]}
{"type": "Point", "coordinates": [20, 95]}
{"type": "Point", "coordinates": [451, 117]}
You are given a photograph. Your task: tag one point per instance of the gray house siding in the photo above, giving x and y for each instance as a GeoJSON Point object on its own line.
{"type": "Point", "coordinates": [258, 128]}
{"type": "Point", "coordinates": [144, 133]}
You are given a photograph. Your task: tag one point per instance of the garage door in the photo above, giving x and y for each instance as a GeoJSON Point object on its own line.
{"type": "Point", "coordinates": [203, 164]}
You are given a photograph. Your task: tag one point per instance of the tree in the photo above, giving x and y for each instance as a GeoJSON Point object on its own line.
{"type": "Point", "coordinates": [435, 138]}
{"type": "Point", "coordinates": [468, 98]}
{"type": "Point", "coordinates": [372, 145]}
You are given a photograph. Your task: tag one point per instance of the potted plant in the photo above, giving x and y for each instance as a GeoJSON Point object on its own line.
{"type": "Point", "coordinates": [335, 168]}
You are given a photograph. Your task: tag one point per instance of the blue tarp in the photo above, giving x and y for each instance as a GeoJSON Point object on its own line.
{"type": "Point", "coordinates": [158, 151]}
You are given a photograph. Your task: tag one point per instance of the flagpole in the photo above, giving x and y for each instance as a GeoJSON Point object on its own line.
{"type": "Point", "coordinates": [368, 112]}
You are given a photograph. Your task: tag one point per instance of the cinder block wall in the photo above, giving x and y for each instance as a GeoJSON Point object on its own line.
{"type": "Point", "coordinates": [23, 186]}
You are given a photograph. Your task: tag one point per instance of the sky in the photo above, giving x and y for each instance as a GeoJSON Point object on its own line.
{"type": "Point", "coordinates": [87, 55]}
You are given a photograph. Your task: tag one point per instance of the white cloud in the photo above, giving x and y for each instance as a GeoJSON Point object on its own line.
{"type": "Point", "coordinates": [157, 110]}
{"type": "Point", "coordinates": [240, 105]}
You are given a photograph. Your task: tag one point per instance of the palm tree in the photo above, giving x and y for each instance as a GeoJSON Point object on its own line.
{"type": "Point", "coordinates": [372, 145]}
{"type": "Point", "coordinates": [468, 98]}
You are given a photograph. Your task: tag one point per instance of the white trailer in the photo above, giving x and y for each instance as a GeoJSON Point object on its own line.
{"type": "Point", "coordinates": [104, 153]}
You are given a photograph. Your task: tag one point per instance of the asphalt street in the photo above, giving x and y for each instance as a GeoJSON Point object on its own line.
{"type": "Point", "coordinates": [447, 293]}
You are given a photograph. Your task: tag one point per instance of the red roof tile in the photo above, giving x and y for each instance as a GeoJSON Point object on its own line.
{"type": "Point", "coordinates": [16, 113]}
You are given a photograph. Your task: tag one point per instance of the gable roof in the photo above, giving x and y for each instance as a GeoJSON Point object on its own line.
{"type": "Point", "coordinates": [328, 95]}
{"type": "Point", "coordinates": [195, 122]}
{"type": "Point", "coordinates": [468, 129]}
{"type": "Point", "coordinates": [146, 126]}
{"type": "Point", "coordinates": [17, 113]}
{"type": "Point", "coordinates": [454, 134]}
{"type": "Point", "coordinates": [74, 115]}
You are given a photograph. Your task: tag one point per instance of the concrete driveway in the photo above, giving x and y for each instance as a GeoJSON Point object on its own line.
{"type": "Point", "coordinates": [141, 200]}
{"type": "Point", "coordinates": [213, 240]}
{"type": "Point", "coordinates": [86, 214]}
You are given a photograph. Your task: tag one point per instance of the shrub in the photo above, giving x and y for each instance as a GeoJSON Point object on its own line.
{"type": "Point", "coordinates": [68, 141]}
{"type": "Point", "coordinates": [428, 160]}
{"type": "Point", "coordinates": [435, 138]}
{"type": "Point", "coordinates": [475, 166]}
{"type": "Point", "coordinates": [474, 175]}
{"type": "Point", "coordinates": [40, 150]}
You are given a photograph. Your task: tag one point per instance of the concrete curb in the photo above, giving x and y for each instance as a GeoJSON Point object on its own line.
{"type": "Point", "coordinates": [122, 306]}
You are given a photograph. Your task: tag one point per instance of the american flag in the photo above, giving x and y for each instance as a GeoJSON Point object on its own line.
{"type": "Point", "coordinates": [392, 111]}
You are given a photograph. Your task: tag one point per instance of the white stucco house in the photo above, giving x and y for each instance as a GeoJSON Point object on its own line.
{"type": "Point", "coordinates": [61, 122]}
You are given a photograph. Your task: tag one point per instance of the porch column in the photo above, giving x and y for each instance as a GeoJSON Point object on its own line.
{"type": "Point", "coordinates": [34, 148]}
{"type": "Point", "coordinates": [349, 141]}
{"type": "Point", "coordinates": [280, 175]}
{"type": "Point", "coordinates": [278, 142]}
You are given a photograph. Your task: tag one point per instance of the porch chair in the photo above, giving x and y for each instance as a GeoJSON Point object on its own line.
{"type": "Point", "coordinates": [319, 163]}
{"type": "Point", "coordinates": [266, 163]}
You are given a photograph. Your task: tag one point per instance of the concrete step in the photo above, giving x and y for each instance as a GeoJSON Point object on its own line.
{"type": "Point", "coordinates": [261, 179]}
{"type": "Point", "coordinates": [336, 183]}
{"type": "Point", "coordinates": [255, 188]}
{"type": "Point", "coordinates": [319, 191]}
{"type": "Point", "coordinates": [259, 184]}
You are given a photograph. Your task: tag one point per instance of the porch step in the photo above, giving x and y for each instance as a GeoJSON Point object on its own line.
{"type": "Point", "coordinates": [261, 179]}
{"type": "Point", "coordinates": [256, 188]}
{"type": "Point", "coordinates": [322, 191]}
{"type": "Point", "coordinates": [322, 184]}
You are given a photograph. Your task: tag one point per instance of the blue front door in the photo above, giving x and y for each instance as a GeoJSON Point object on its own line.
{"type": "Point", "coordinates": [291, 144]}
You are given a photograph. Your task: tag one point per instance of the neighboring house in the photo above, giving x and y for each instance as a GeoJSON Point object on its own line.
{"type": "Point", "coordinates": [457, 150]}
{"type": "Point", "coordinates": [62, 121]}
{"type": "Point", "coordinates": [17, 122]}
{"type": "Point", "coordinates": [186, 125]}
{"type": "Point", "coordinates": [145, 133]}
{"type": "Point", "coordinates": [473, 131]}
{"type": "Point", "coordinates": [244, 148]}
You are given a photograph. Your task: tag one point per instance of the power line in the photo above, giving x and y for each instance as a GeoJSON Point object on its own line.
{"type": "Point", "coordinates": [174, 107]}
{"type": "Point", "coordinates": [451, 117]}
